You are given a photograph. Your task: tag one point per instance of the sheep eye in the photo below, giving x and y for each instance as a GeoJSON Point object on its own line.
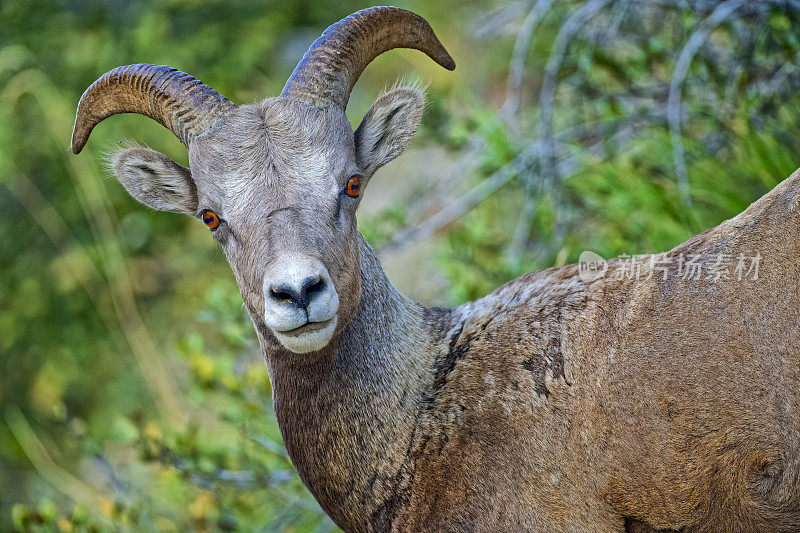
{"type": "Point", "coordinates": [353, 187]}
{"type": "Point", "coordinates": [210, 218]}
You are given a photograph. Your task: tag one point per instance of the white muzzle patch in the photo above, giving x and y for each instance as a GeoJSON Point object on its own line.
{"type": "Point", "coordinates": [300, 303]}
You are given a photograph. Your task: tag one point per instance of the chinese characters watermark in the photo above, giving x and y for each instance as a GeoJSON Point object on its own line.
{"type": "Point", "coordinates": [708, 267]}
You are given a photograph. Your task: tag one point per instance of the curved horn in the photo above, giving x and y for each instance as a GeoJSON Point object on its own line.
{"type": "Point", "coordinates": [333, 64]}
{"type": "Point", "coordinates": [179, 102]}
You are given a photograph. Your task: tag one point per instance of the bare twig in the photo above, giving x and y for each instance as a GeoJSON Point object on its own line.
{"type": "Point", "coordinates": [496, 21]}
{"type": "Point", "coordinates": [547, 96]}
{"type": "Point", "coordinates": [516, 67]}
{"type": "Point", "coordinates": [460, 206]}
{"type": "Point", "coordinates": [271, 445]}
{"type": "Point", "coordinates": [521, 163]}
{"type": "Point", "coordinates": [521, 231]}
{"type": "Point", "coordinates": [695, 41]}
{"type": "Point", "coordinates": [72, 487]}
{"type": "Point", "coordinates": [783, 73]}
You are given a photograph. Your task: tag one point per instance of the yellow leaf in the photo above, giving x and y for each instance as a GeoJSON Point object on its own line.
{"type": "Point", "coordinates": [64, 524]}
{"type": "Point", "coordinates": [164, 524]}
{"type": "Point", "coordinates": [152, 431]}
{"type": "Point", "coordinates": [107, 506]}
{"type": "Point", "coordinates": [202, 505]}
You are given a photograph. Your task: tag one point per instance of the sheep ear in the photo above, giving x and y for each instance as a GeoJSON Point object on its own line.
{"type": "Point", "coordinates": [388, 127]}
{"type": "Point", "coordinates": [155, 180]}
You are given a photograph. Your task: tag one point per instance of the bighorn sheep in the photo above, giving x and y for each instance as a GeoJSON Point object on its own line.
{"type": "Point", "coordinates": [559, 402]}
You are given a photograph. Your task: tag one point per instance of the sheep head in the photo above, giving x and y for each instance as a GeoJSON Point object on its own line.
{"type": "Point", "coordinates": [278, 182]}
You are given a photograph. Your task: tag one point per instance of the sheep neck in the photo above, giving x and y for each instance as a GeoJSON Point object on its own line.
{"type": "Point", "coordinates": [348, 417]}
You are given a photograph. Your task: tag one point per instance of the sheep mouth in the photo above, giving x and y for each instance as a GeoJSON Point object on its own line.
{"type": "Point", "coordinates": [309, 337]}
{"type": "Point", "coordinates": [308, 327]}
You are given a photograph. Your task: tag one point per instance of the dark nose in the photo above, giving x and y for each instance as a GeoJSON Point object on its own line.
{"type": "Point", "coordinates": [300, 296]}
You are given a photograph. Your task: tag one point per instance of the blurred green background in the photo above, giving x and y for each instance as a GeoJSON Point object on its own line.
{"type": "Point", "coordinates": [132, 393]}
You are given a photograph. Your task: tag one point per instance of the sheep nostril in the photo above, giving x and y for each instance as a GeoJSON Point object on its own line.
{"type": "Point", "coordinates": [300, 296]}
{"type": "Point", "coordinates": [312, 287]}
{"type": "Point", "coordinates": [282, 294]}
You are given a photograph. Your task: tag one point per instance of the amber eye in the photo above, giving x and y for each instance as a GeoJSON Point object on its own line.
{"type": "Point", "coordinates": [353, 187]}
{"type": "Point", "coordinates": [210, 218]}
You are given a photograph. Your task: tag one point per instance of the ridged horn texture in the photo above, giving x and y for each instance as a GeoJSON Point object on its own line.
{"type": "Point", "coordinates": [179, 102]}
{"type": "Point", "coordinates": [333, 64]}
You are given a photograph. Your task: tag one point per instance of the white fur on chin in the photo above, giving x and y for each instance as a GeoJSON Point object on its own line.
{"type": "Point", "coordinates": [309, 341]}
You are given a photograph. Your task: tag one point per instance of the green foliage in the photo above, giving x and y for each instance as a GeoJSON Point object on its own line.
{"type": "Point", "coordinates": [621, 197]}
{"type": "Point", "coordinates": [379, 229]}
